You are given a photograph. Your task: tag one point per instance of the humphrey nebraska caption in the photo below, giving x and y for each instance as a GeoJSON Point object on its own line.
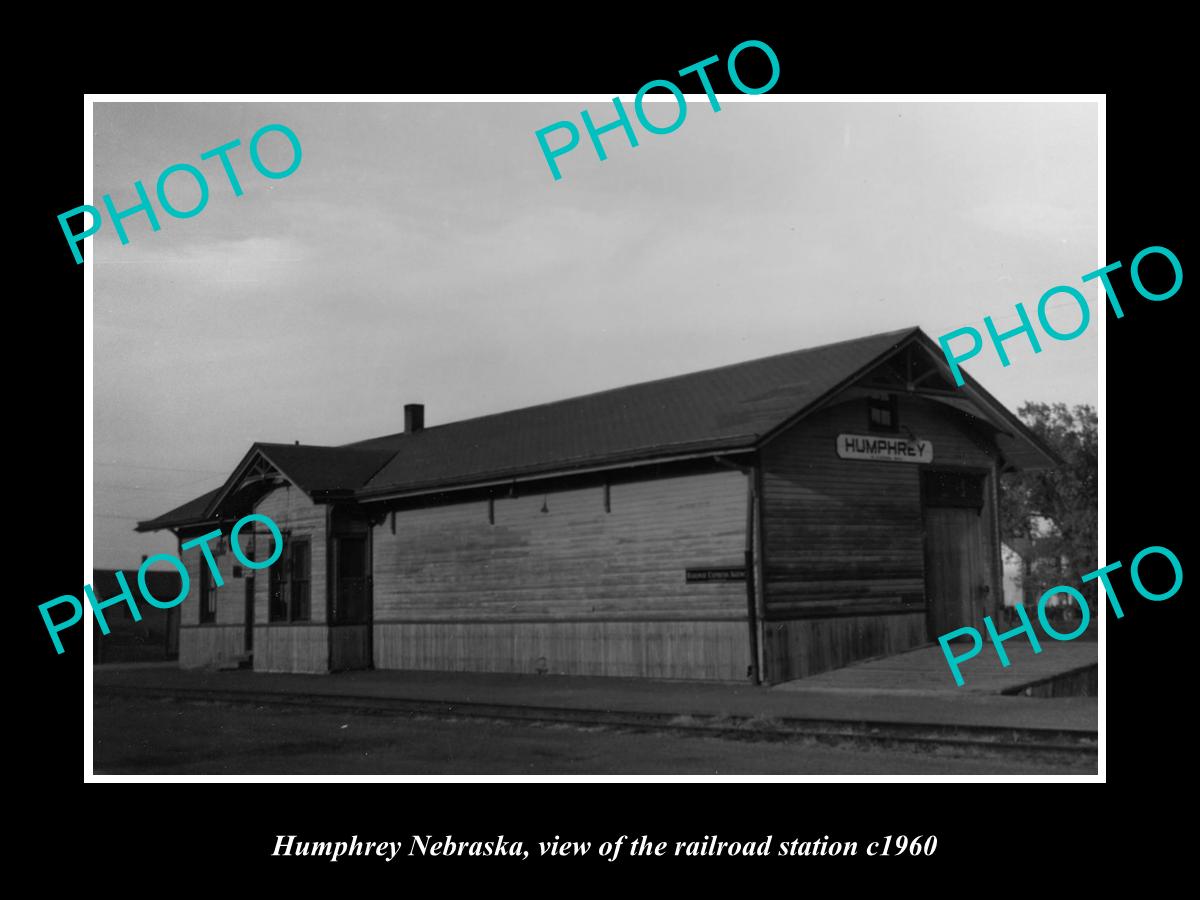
{"type": "Point", "coordinates": [290, 845]}
{"type": "Point", "coordinates": [427, 845]}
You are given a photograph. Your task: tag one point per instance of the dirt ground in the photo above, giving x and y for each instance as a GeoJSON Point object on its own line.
{"type": "Point", "coordinates": [160, 736]}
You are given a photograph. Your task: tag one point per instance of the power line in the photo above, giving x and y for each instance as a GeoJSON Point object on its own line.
{"type": "Point", "coordinates": [146, 488]}
{"type": "Point", "coordinates": [160, 468]}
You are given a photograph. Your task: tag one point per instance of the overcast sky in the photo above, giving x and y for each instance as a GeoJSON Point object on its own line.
{"type": "Point", "coordinates": [423, 253]}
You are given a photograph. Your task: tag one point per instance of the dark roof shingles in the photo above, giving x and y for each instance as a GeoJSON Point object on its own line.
{"type": "Point", "coordinates": [192, 511]}
{"type": "Point", "coordinates": [713, 409]}
{"type": "Point", "coordinates": [318, 468]}
{"type": "Point", "coordinates": [723, 408]}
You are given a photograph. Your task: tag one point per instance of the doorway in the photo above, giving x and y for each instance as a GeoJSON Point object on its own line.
{"type": "Point", "coordinates": [350, 619]}
{"type": "Point", "coordinates": [957, 549]}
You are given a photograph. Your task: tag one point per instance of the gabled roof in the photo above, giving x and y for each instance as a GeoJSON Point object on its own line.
{"type": "Point", "coordinates": [716, 409]}
{"type": "Point", "coordinates": [722, 410]}
{"type": "Point", "coordinates": [191, 513]}
{"type": "Point", "coordinates": [313, 469]}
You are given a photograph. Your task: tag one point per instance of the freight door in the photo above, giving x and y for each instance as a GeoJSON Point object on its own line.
{"type": "Point", "coordinates": [957, 571]}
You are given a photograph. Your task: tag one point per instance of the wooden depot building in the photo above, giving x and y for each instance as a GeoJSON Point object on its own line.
{"type": "Point", "coordinates": [766, 520]}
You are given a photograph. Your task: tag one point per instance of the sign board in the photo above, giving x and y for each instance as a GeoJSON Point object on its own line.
{"type": "Point", "coordinates": [881, 448]}
{"type": "Point", "coordinates": [726, 573]}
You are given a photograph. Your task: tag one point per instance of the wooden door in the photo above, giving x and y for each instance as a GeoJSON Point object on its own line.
{"type": "Point", "coordinates": [350, 631]}
{"type": "Point", "coordinates": [955, 568]}
{"type": "Point", "coordinates": [350, 605]}
{"type": "Point", "coordinates": [957, 572]}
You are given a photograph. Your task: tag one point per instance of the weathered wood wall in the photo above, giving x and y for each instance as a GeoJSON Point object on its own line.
{"type": "Point", "coordinates": [300, 646]}
{"type": "Point", "coordinates": [205, 646]}
{"type": "Point", "coordinates": [801, 647]}
{"type": "Point", "coordinates": [844, 538]}
{"type": "Point", "coordinates": [221, 642]}
{"type": "Point", "coordinates": [573, 589]}
{"type": "Point", "coordinates": [650, 649]}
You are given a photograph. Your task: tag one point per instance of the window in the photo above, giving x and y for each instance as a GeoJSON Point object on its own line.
{"type": "Point", "coordinates": [882, 414]}
{"type": "Point", "coordinates": [961, 489]}
{"type": "Point", "coordinates": [298, 568]}
{"type": "Point", "coordinates": [277, 608]}
{"type": "Point", "coordinates": [208, 595]}
{"type": "Point", "coordinates": [289, 583]}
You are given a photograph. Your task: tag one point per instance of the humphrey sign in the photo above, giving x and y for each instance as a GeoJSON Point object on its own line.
{"type": "Point", "coordinates": [884, 449]}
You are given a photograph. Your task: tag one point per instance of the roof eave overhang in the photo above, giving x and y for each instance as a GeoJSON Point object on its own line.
{"type": "Point", "coordinates": [332, 495]}
{"type": "Point", "coordinates": [979, 395]}
{"type": "Point", "coordinates": [256, 449]}
{"type": "Point", "coordinates": [728, 447]}
{"type": "Point", "coordinates": [971, 389]}
{"type": "Point", "coordinates": [174, 524]}
{"type": "Point", "coordinates": [903, 341]}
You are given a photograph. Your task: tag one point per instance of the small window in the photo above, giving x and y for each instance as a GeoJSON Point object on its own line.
{"type": "Point", "coordinates": [208, 595]}
{"type": "Point", "coordinates": [960, 489]}
{"type": "Point", "coordinates": [881, 413]}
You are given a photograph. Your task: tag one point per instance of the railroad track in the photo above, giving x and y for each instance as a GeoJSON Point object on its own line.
{"type": "Point", "coordinates": [1048, 745]}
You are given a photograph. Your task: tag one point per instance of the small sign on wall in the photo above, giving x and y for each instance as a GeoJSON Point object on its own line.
{"type": "Point", "coordinates": [880, 448]}
{"type": "Point", "coordinates": [726, 573]}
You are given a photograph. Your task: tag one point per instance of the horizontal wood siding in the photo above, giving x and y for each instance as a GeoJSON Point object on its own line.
{"type": "Point", "coordinates": [845, 537]}
{"type": "Point", "coordinates": [279, 646]}
{"type": "Point", "coordinates": [846, 534]}
{"type": "Point", "coordinates": [804, 647]}
{"type": "Point", "coordinates": [709, 650]}
{"type": "Point", "coordinates": [219, 643]}
{"type": "Point", "coordinates": [206, 646]}
{"type": "Point", "coordinates": [575, 564]}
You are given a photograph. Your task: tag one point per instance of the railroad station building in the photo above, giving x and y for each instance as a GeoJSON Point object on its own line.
{"type": "Point", "coordinates": [766, 520]}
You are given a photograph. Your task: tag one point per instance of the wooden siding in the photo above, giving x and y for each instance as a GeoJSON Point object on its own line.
{"type": "Point", "coordinates": [291, 648]}
{"type": "Point", "coordinates": [204, 646]}
{"type": "Point", "coordinates": [803, 647]}
{"type": "Point", "coordinates": [453, 577]}
{"type": "Point", "coordinates": [845, 538]}
{"type": "Point", "coordinates": [230, 596]}
{"type": "Point", "coordinates": [218, 643]}
{"type": "Point", "coordinates": [302, 646]}
{"type": "Point", "coordinates": [709, 650]}
{"type": "Point", "coordinates": [844, 534]}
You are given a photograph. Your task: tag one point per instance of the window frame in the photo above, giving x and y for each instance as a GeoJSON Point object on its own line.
{"type": "Point", "coordinates": [891, 407]}
{"type": "Point", "coordinates": [208, 595]}
{"type": "Point", "coordinates": [305, 583]}
{"type": "Point", "coordinates": [286, 593]}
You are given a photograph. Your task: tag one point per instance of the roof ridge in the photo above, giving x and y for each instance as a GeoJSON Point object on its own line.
{"type": "Point", "coordinates": [624, 387]}
{"type": "Point", "coordinates": [318, 446]}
